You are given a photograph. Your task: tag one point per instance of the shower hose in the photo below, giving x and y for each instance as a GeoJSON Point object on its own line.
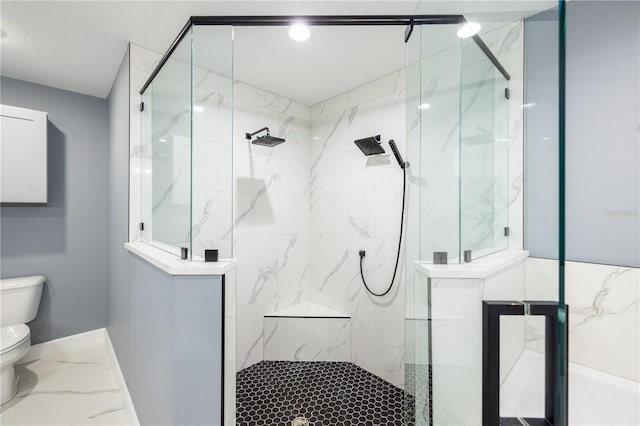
{"type": "Point", "coordinates": [395, 270]}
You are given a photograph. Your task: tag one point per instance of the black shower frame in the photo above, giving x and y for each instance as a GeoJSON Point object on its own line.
{"type": "Point", "coordinates": [328, 20]}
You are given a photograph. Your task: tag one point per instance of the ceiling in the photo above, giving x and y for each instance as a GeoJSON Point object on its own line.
{"type": "Point", "coordinates": [78, 45]}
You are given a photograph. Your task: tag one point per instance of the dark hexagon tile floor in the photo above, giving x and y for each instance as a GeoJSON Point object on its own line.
{"type": "Point", "coordinates": [274, 393]}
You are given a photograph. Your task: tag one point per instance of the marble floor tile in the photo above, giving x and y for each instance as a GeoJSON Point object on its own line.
{"type": "Point", "coordinates": [74, 388]}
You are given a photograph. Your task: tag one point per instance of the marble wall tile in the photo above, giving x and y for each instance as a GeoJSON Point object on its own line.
{"type": "Point", "coordinates": [285, 339]}
{"type": "Point", "coordinates": [603, 313]}
{"type": "Point", "coordinates": [604, 320]}
{"type": "Point", "coordinates": [330, 106]}
{"type": "Point", "coordinates": [355, 204]}
{"type": "Point", "coordinates": [328, 339]}
{"type": "Point", "coordinates": [329, 144]}
{"type": "Point", "coordinates": [271, 215]}
{"type": "Point", "coordinates": [307, 339]}
{"type": "Point", "coordinates": [293, 268]}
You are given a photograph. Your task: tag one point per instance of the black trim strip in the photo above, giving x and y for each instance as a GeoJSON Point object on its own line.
{"type": "Point", "coordinates": [304, 316]}
{"type": "Point", "coordinates": [430, 350]}
{"type": "Point", "coordinates": [320, 20]}
{"type": "Point", "coordinates": [165, 57]}
{"type": "Point", "coordinates": [326, 20]}
{"type": "Point", "coordinates": [224, 352]}
{"type": "Point", "coordinates": [491, 56]}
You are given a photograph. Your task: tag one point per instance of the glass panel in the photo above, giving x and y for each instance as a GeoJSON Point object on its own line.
{"type": "Point", "coordinates": [470, 150]}
{"type": "Point", "coordinates": [166, 133]}
{"type": "Point", "coordinates": [146, 135]}
{"type": "Point", "coordinates": [212, 177]}
{"type": "Point", "coordinates": [484, 154]}
{"type": "Point", "coordinates": [439, 169]}
{"type": "Point", "coordinates": [418, 403]}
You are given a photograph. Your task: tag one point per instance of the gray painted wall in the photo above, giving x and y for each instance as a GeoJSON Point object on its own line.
{"type": "Point", "coordinates": [602, 133]}
{"type": "Point", "coordinates": [175, 346]}
{"type": "Point", "coordinates": [64, 240]}
{"type": "Point", "coordinates": [166, 330]}
{"type": "Point", "coordinates": [118, 282]}
{"type": "Point", "coordinates": [541, 135]}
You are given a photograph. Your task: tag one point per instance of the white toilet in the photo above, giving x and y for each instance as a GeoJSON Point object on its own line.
{"type": "Point", "coordinates": [20, 299]}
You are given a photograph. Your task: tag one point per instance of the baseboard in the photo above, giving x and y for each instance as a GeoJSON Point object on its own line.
{"type": "Point", "coordinates": [64, 344]}
{"type": "Point", "coordinates": [129, 409]}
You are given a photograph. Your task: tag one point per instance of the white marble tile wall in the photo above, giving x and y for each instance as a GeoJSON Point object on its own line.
{"type": "Point", "coordinates": [307, 339]}
{"type": "Point", "coordinates": [604, 320]}
{"type": "Point", "coordinates": [356, 204]}
{"type": "Point", "coordinates": [271, 213]}
{"type": "Point", "coordinates": [212, 198]}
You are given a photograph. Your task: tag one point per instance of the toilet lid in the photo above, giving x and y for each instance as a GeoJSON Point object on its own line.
{"type": "Point", "coordinates": [12, 336]}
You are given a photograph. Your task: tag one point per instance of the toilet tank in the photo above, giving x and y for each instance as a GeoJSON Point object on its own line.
{"type": "Point", "coordinates": [19, 299]}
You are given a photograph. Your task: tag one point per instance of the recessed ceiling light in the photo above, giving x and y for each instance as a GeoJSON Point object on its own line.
{"type": "Point", "coordinates": [469, 29]}
{"type": "Point", "coordinates": [299, 32]}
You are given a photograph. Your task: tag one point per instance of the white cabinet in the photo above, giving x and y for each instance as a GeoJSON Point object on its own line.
{"type": "Point", "coordinates": [23, 155]}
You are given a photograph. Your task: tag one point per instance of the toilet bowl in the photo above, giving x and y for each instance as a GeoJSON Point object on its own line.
{"type": "Point", "coordinates": [20, 299]}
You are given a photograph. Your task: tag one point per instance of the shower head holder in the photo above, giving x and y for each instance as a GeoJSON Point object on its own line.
{"type": "Point", "coordinates": [250, 135]}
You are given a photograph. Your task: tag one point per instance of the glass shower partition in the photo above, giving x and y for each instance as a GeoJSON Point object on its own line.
{"type": "Point", "coordinates": [186, 131]}
{"type": "Point", "coordinates": [469, 321]}
{"type": "Point", "coordinates": [166, 160]}
{"type": "Point", "coordinates": [212, 153]}
{"type": "Point", "coordinates": [483, 154]}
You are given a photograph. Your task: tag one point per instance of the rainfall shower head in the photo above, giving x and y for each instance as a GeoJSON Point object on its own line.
{"type": "Point", "coordinates": [265, 140]}
{"type": "Point", "coordinates": [370, 145]}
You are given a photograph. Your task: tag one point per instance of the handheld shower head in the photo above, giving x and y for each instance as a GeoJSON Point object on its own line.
{"type": "Point", "coordinates": [394, 148]}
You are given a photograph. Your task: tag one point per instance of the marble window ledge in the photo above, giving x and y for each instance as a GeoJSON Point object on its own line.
{"type": "Point", "coordinates": [482, 268]}
{"type": "Point", "coordinates": [172, 265]}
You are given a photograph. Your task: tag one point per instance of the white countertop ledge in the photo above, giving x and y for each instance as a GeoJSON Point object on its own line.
{"type": "Point", "coordinates": [482, 268]}
{"type": "Point", "coordinates": [174, 266]}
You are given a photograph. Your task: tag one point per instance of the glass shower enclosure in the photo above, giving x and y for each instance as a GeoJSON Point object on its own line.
{"type": "Point", "coordinates": [469, 313]}
{"type": "Point", "coordinates": [464, 257]}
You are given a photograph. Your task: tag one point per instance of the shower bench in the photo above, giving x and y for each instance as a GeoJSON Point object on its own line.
{"type": "Point", "coordinates": [307, 332]}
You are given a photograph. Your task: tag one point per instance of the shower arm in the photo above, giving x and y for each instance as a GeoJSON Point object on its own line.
{"type": "Point", "coordinates": [250, 135]}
